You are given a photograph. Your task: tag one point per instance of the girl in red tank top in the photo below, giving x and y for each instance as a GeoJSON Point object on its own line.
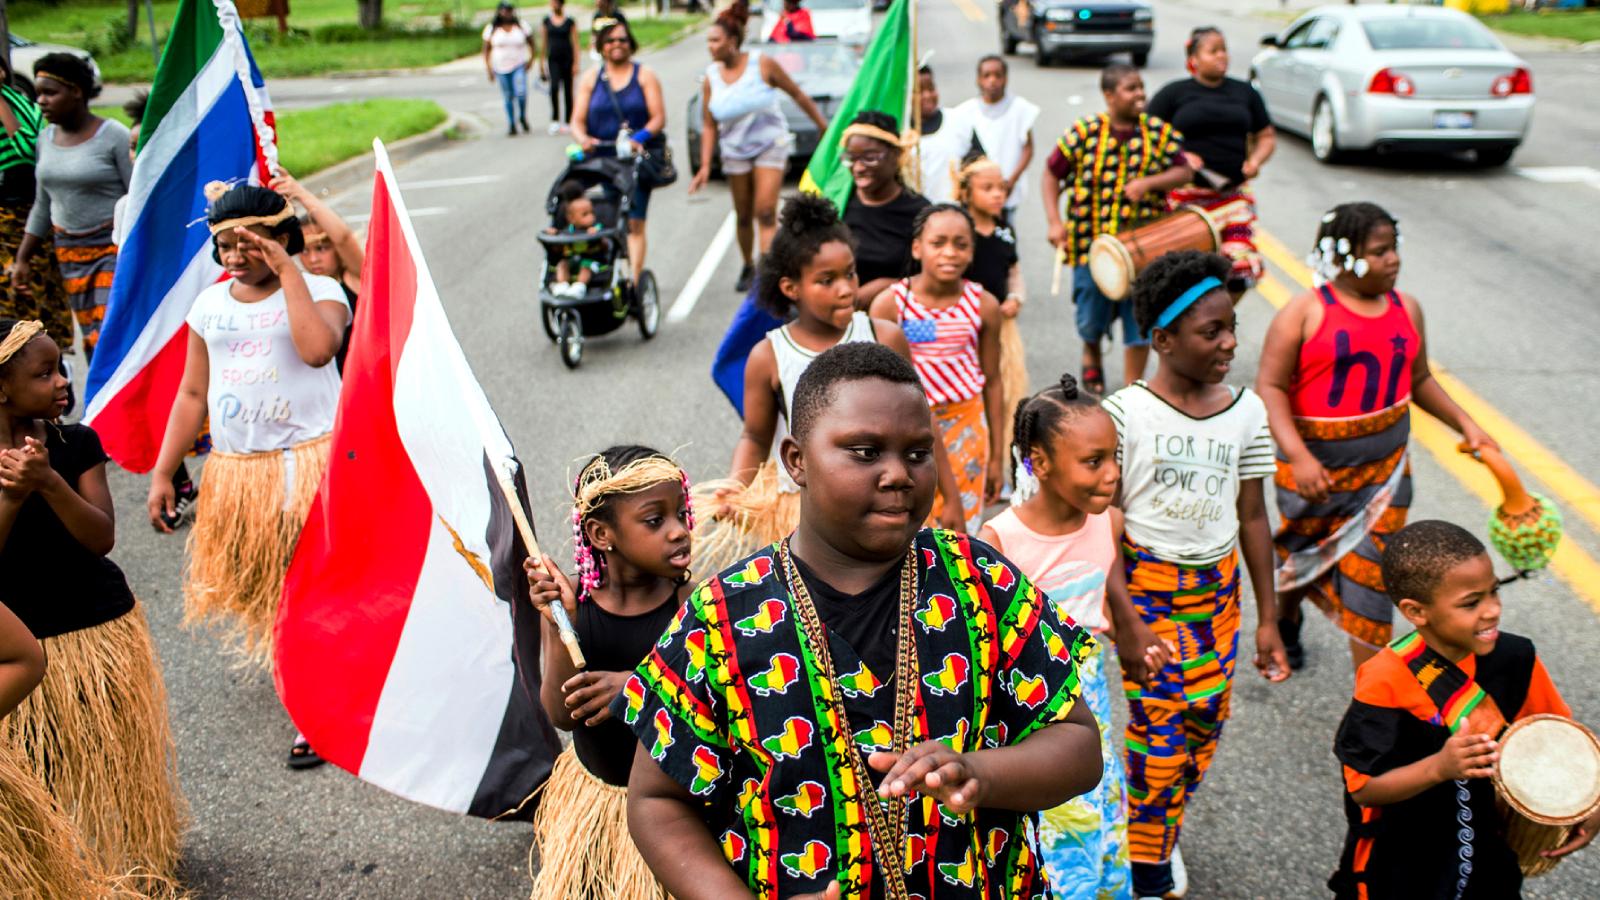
{"type": "Point", "coordinates": [1341, 367]}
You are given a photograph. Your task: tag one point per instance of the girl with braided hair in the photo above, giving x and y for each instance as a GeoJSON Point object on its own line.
{"type": "Point", "coordinates": [631, 522]}
{"type": "Point", "coordinates": [95, 732]}
{"type": "Point", "coordinates": [809, 278]}
{"type": "Point", "coordinates": [1063, 533]}
{"type": "Point", "coordinates": [1340, 369]}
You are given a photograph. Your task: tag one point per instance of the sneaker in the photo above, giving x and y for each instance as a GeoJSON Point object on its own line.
{"type": "Point", "coordinates": [555, 128]}
{"type": "Point", "coordinates": [525, 128]}
{"type": "Point", "coordinates": [577, 290]}
{"type": "Point", "coordinates": [746, 275]}
{"type": "Point", "coordinates": [1180, 876]}
{"type": "Point", "coordinates": [511, 130]}
{"type": "Point", "coordinates": [188, 498]}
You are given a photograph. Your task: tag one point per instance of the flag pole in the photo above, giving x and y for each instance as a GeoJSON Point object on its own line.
{"type": "Point", "coordinates": [558, 613]}
{"type": "Point", "coordinates": [914, 116]}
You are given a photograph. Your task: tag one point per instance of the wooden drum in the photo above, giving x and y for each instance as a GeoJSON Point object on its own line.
{"type": "Point", "coordinates": [1116, 259]}
{"type": "Point", "coordinates": [1547, 781]}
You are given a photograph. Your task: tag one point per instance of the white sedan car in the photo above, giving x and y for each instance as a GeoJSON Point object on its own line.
{"type": "Point", "coordinates": [1395, 78]}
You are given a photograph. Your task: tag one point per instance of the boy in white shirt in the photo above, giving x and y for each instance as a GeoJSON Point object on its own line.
{"type": "Point", "coordinates": [1195, 454]}
{"type": "Point", "coordinates": [947, 138]}
{"type": "Point", "coordinates": [1004, 125]}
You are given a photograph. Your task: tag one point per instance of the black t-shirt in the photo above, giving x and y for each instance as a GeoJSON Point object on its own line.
{"type": "Point", "coordinates": [866, 621]}
{"type": "Point", "coordinates": [53, 583]}
{"type": "Point", "coordinates": [993, 255]}
{"type": "Point", "coordinates": [614, 643]}
{"type": "Point", "coordinates": [558, 39]}
{"type": "Point", "coordinates": [883, 234]}
{"type": "Point", "coordinates": [1215, 122]}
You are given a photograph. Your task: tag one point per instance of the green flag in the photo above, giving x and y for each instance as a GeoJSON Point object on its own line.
{"type": "Point", "coordinates": [882, 84]}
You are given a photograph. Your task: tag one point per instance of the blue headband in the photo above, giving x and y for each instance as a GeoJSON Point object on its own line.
{"type": "Point", "coordinates": [1186, 300]}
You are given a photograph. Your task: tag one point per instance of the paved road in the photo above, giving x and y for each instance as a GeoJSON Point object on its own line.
{"type": "Point", "coordinates": [1495, 257]}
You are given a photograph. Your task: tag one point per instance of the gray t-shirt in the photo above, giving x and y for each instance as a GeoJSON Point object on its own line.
{"type": "Point", "coordinates": [78, 186]}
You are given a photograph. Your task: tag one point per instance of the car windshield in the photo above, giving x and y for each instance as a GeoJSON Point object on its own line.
{"type": "Point", "coordinates": [1427, 33]}
{"type": "Point", "coordinates": [820, 68]}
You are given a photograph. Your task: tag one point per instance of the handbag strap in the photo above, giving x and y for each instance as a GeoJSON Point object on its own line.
{"type": "Point", "coordinates": [622, 119]}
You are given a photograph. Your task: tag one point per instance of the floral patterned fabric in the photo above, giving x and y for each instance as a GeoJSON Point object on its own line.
{"type": "Point", "coordinates": [732, 705]}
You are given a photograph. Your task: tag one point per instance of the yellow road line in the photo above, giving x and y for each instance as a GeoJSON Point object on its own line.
{"type": "Point", "coordinates": [1571, 563]}
{"type": "Point", "coordinates": [1575, 494]}
{"type": "Point", "coordinates": [970, 9]}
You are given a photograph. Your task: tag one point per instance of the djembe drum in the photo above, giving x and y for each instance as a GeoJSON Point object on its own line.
{"type": "Point", "coordinates": [1526, 529]}
{"type": "Point", "coordinates": [1546, 781]}
{"type": "Point", "coordinates": [1115, 260]}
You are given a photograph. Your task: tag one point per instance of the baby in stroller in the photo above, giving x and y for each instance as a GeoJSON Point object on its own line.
{"type": "Point", "coordinates": [577, 263]}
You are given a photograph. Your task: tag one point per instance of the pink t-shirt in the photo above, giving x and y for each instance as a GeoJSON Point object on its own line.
{"type": "Point", "coordinates": [1071, 569]}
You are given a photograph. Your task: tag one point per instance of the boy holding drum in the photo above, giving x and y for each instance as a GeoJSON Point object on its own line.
{"type": "Point", "coordinates": [1109, 173]}
{"type": "Point", "coordinates": [1419, 741]}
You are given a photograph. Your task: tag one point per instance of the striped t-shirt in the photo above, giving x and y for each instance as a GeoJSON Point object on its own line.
{"type": "Point", "coordinates": [944, 342]}
{"type": "Point", "coordinates": [1181, 475]}
{"type": "Point", "coordinates": [21, 148]}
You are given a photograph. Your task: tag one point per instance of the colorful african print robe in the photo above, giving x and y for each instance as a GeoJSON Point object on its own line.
{"type": "Point", "coordinates": [732, 706]}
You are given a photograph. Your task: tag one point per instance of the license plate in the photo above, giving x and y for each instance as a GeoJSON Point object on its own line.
{"type": "Point", "coordinates": [1454, 119]}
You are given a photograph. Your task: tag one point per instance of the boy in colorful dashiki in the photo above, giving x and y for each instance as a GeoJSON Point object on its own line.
{"type": "Point", "coordinates": [889, 728]}
{"type": "Point", "coordinates": [1418, 743]}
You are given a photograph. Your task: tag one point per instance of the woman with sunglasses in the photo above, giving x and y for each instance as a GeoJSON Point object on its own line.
{"type": "Point", "coordinates": [881, 208]}
{"type": "Point", "coordinates": [621, 97]}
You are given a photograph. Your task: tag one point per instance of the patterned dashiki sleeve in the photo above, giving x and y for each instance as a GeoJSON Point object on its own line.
{"type": "Point", "coordinates": [672, 704]}
{"type": "Point", "coordinates": [1166, 151]}
{"type": "Point", "coordinates": [1037, 678]}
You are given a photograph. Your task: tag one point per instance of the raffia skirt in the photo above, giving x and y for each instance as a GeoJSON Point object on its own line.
{"type": "Point", "coordinates": [580, 833]}
{"type": "Point", "coordinates": [41, 855]}
{"type": "Point", "coordinates": [1013, 375]}
{"type": "Point", "coordinates": [246, 525]}
{"type": "Point", "coordinates": [96, 734]}
{"type": "Point", "coordinates": [753, 517]}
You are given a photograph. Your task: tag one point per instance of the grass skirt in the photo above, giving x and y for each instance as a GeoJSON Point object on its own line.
{"type": "Point", "coordinates": [41, 855]}
{"type": "Point", "coordinates": [244, 533]}
{"type": "Point", "coordinates": [95, 732]}
{"type": "Point", "coordinates": [1013, 375]}
{"type": "Point", "coordinates": [756, 516]}
{"type": "Point", "coordinates": [581, 835]}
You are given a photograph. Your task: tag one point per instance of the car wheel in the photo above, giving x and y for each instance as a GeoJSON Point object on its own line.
{"type": "Point", "coordinates": [1140, 60]}
{"type": "Point", "coordinates": [1494, 157]}
{"type": "Point", "coordinates": [570, 336]}
{"type": "Point", "coordinates": [1041, 56]}
{"type": "Point", "coordinates": [649, 300]}
{"type": "Point", "coordinates": [1325, 133]}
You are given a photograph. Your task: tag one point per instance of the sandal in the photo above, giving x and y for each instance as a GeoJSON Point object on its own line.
{"type": "Point", "coordinates": [1094, 380]}
{"type": "Point", "coordinates": [301, 756]}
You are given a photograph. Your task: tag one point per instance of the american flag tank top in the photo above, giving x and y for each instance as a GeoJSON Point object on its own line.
{"type": "Point", "coordinates": [944, 342]}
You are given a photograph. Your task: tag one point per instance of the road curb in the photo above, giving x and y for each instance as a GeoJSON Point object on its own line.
{"type": "Point", "coordinates": [358, 169]}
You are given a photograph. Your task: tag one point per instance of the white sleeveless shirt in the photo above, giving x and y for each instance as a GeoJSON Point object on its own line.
{"type": "Point", "coordinates": [793, 361]}
{"type": "Point", "coordinates": [749, 119]}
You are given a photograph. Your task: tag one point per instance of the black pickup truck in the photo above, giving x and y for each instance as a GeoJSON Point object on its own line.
{"type": "Point", "coordinates": [1078, 28]}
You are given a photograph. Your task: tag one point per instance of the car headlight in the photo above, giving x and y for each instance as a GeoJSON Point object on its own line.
{"type": "Point", "coordinates": [1060, 14]}
{"type": "Point", "coordinates": [1144, 14]}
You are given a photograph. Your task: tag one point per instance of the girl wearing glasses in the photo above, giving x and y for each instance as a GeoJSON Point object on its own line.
{"type": "Point", "coordinates": [881, 207]}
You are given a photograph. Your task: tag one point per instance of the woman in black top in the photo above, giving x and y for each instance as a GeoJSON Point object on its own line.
{"type": "Point", "coordinates": [96, 731]}
{"type": "Point", "coordinates": [881, 208]}
{"type": "Point", "coordinates": [631, 522]}
{"type": "Point", "coordinates": [1228, 138]}
{"type": "Point", "coordinates": [560, 62]}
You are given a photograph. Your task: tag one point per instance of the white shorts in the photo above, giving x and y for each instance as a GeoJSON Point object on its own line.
{"type": "Point", "coordinates": [774, 157]}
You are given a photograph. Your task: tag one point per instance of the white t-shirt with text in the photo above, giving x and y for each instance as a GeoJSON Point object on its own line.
{"type": "Point", "coordinates": [262, 395]}
{"type": "Point", "coordinates": [1181, 475]}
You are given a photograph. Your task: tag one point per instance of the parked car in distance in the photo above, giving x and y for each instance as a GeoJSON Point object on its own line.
{"type": "Point", "coordinates": [1384, 78]}
{"type": "Point", "coordinates": [848, 20]}
{"type": "Point", "coordinates": [822, 68]}
{"type": "Point", "coordinates": [1078, 28]}
{"type": "Point", "coordinates": [24, 52]}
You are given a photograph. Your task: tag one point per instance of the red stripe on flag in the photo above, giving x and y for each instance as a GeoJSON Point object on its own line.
{"type": "Point", "coordinates": [344, 604]}
{"type": "Point", "coordinates": [131, 435]}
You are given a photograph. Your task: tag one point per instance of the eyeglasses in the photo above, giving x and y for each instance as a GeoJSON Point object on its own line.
{"type": "Point", "coordinates": [869, 158]}
{"type": "Point", "coordinates": [613, 40]}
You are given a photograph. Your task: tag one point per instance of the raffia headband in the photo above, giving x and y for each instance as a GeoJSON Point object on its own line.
{"type": "Point", "coordinates": [21, 334]}
{"type": "Point", "coordinates": [214, 191]}
{"type": "Point", "coordinates": [962, 174]}
{"type": "Point", "coordinates": [597, 481]}
{"type": "Point", "coordinates": [54, 77]}
{"type": "Point", "coordinates": [898, 141]}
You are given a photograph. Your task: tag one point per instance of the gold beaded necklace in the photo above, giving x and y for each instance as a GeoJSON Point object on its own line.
{"type": "Point", "coordinates": [888, 833]}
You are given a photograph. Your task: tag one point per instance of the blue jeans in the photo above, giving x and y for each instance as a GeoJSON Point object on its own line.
{"type": "Point", "coordinates": [514, 91]}
{"type": "Point", "coordinates": [1095, 312]}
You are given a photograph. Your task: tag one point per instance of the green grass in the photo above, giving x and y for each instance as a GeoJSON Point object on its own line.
{"type": "Point", "coordinates": [310, 140]}
{"type": "Point", "coordinates": [323, 36]}
{"type": "Point", "coordinates": [1573, 24]}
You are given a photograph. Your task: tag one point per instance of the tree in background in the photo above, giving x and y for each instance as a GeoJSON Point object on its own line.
{"type": "Point", "coordinates": [370, 14]}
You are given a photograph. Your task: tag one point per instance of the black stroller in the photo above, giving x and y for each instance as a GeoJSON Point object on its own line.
{"type": "Point", "coordinates": [614, 293]}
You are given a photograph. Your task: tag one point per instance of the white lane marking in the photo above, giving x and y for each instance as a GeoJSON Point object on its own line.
{"type": "Point", "coordinates": [702, 272]}
{"type": "Point", "coordinates": [1561, 175]}
{"type": "Point", "coordinates": [449, 182]}
{"type": "Point", "coordinates": [415, 213]}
